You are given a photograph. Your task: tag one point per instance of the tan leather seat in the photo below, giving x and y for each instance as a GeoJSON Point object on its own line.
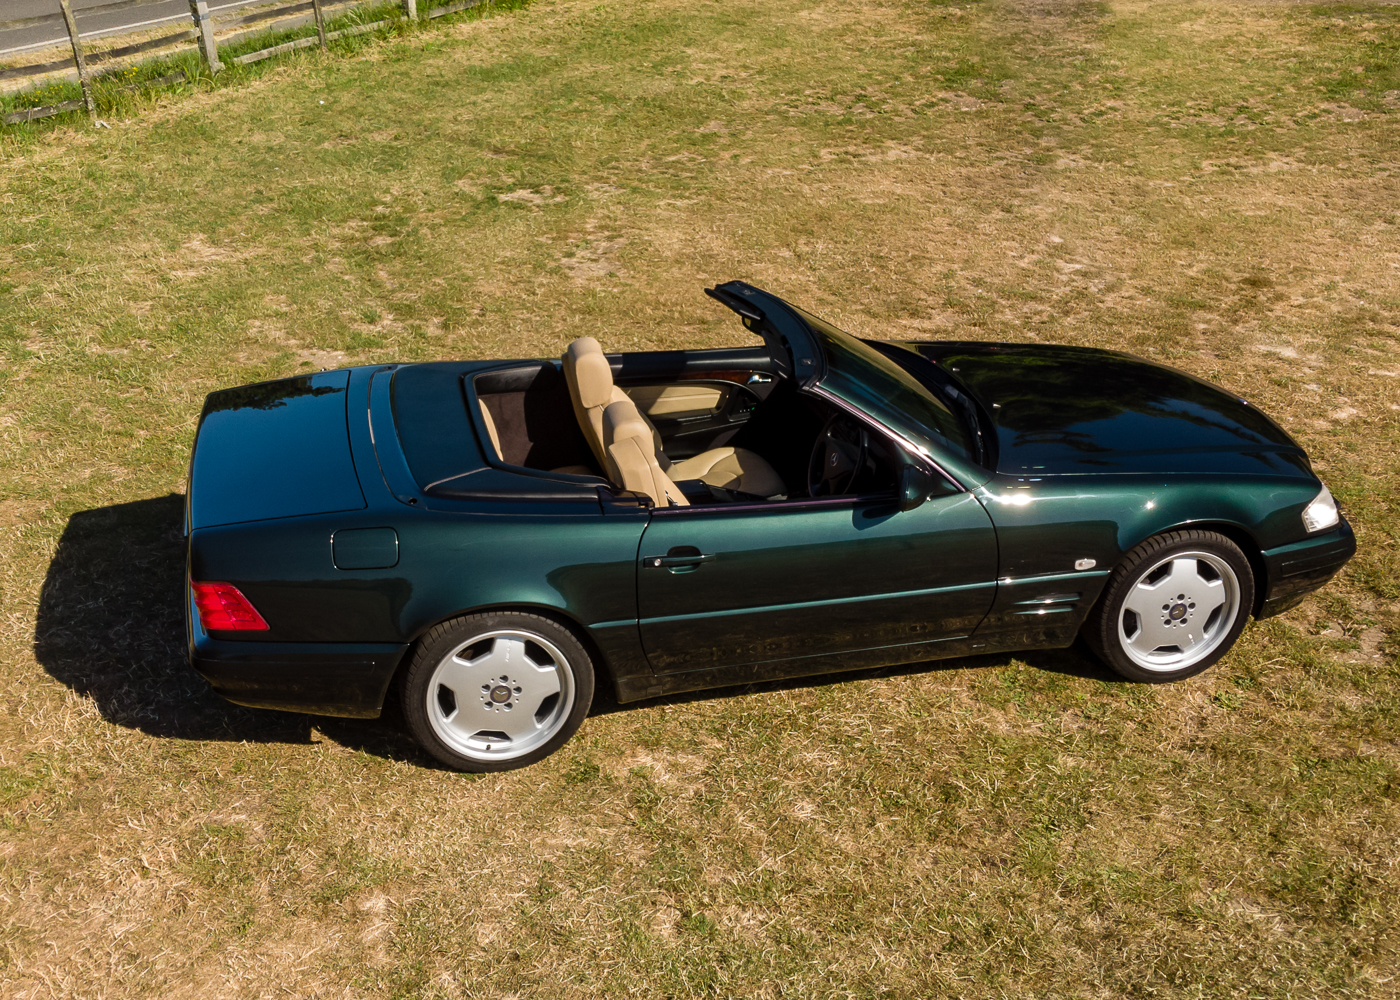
{"type": "Point", "coordinates": [733, 469]}
{"type": "Point", "coordinates": [591, 387]}
{"type": "Point", "coordinates": [632, 455]}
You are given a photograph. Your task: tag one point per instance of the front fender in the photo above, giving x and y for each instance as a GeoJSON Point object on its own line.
{"type": "Point", "coordinates": [1059, 537]}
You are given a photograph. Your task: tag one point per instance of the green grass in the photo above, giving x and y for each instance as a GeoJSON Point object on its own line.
{"type": "Point", "coordinates": [1211, 185]}
{"type": "Point", "coordinates": [128, 90]}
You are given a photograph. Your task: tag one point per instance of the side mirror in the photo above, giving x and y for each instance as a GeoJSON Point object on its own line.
{"type": "Point", "coordinates": [915, 485]}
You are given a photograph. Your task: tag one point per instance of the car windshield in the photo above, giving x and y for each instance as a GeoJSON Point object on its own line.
{"type": "Point", "coordinates": [871, 382]}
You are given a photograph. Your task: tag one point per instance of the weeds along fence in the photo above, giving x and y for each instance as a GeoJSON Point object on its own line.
{"type": "Point", "coordinates": [198, 47]}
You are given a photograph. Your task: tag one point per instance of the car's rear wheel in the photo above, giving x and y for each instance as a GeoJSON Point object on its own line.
{"type": "Point", "coordinates": [1172, 607]}
{"type": "Point", "coordinates": [496, 691]}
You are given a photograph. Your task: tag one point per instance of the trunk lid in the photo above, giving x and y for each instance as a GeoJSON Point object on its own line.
{"type": "Point", "coordinates": [274, 449]}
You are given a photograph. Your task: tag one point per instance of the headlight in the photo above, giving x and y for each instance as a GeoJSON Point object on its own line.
{"type": "Point", "coordinates": [1321, 513]}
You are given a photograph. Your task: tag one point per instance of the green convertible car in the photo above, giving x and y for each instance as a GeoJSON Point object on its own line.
{"type": "Point", "coordinates": [494, 536]}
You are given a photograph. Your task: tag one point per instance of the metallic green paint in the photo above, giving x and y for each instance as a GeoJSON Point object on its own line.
{"type": "Point", "coordinates": [288, 437]}
{"type": "Point", "coordinates": [1295, 570]}
{"type": "Point", "coordinates": [1047, 526]}
{"type": "Point", "coordinates": [1014, 560]}
{"type": "Point", "coordinates": [810, 579]}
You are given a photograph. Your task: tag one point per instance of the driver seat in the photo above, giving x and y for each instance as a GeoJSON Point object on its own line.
{"type": "Point", "coordinates": [592, 390]}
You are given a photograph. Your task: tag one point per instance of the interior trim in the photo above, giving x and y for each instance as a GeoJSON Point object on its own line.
{"type": "Point", "coordinates": [809, 503]}
{"type": "Point", "coordinates": [674, 401]}
{"type": "Point", "coordinates": [512, 376]}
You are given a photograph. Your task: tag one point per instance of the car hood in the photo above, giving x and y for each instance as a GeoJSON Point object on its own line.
{"type": "Point", "coordinates": [1073, 410]}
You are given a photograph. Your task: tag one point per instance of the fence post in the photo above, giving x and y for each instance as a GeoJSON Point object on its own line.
{"type": "Point", "coordinates": [320, 23]}
{"type": "Point", "coordinates": [410, 9]}
{"type": "Point", "coordinates": [83, 77]}
{"type": "Point", "coordinates": [199, 10]}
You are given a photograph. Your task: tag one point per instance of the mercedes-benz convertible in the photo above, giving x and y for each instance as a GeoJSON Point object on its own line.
{"type": "Point", "coordinates": [497, 537]}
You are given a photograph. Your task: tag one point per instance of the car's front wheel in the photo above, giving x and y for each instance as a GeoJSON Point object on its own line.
{"type": "Point", "coordinates": [496, 691]}
{"type": "Point", "coordinates": [1172, 607]}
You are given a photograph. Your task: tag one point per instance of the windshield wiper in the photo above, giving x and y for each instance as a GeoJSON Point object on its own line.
{"type": "Point", "coordinates": [970, 416]}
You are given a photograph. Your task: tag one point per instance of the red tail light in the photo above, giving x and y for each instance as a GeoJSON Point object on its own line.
{"type": "Point", "coordinates": [222, 607]}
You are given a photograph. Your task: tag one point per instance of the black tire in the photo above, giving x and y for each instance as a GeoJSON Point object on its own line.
{"type": "Point", "coordinates": [1135, 610]}
{"type": "Point", "coordinates": [504, 663]}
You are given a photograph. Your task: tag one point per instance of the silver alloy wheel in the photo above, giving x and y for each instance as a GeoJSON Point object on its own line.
{"type": "Point", "coordinates": [500, 695]}
{"type": "Point", "coordinates": [1179, 611]}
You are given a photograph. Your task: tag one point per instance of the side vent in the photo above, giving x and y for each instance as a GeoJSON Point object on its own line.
{"type": "Point", "coordinates": [1050, 604]}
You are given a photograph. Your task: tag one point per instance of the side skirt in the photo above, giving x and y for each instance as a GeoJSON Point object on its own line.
{"type": "Point", "coordinates": [638, 688]}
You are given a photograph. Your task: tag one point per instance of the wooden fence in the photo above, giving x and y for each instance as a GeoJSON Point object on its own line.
{"type": "Point", "coordinates": [202, 33]}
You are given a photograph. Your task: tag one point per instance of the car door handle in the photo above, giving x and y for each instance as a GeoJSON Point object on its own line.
{"type": "Point", "coordinates": [670, 562]}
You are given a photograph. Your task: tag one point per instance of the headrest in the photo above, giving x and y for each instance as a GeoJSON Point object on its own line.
{"type": "Point", "coordinates": [622, 420]}
{"type": "Point", "coordinates": [587, 368]}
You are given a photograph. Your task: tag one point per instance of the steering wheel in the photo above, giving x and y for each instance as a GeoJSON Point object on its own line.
{"type": "Point", "coordinates": [837, 457]}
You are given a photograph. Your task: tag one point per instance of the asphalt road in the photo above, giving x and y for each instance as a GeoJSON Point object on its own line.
{"type": "Point", "coordinates": [175, 13]}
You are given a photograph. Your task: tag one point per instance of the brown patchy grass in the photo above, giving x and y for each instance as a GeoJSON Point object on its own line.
{"type": "Point", "coordinates": [1213, 185]}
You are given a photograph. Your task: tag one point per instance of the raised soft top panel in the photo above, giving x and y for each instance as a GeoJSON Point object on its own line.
{"type": "Point", "coordinates": [275, 449]}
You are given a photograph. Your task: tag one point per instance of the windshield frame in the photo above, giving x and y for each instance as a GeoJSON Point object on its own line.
{"type": "Point", "coordinates": [969, 408]}
{"type": "Point", "coordinates": [955, 459]}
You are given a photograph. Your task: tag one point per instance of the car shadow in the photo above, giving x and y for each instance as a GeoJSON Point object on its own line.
{"type": "Point", "coordinates": [111, 626]}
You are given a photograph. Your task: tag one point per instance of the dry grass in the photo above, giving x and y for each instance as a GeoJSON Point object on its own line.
{"type": "Point", "coordinates": [1214, 185]}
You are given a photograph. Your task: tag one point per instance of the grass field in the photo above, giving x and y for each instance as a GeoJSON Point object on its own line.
{"type": "Point", "coordinates": [1214, 185]}
{"type": "Point", "coordinates": [120, 90]}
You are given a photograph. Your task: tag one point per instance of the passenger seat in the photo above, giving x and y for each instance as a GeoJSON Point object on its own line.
{"type": "Point", "coordinates": [632, 455]}
{"type": "Point", "coordinates": [592, 389]}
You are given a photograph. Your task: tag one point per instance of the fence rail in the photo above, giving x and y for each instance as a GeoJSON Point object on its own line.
{"type": "Point", "coordinates": [455, 8]}
{"type": "Point", "coordinates": [306, 43]}
{"type": "Point", "coordinates": [268, 15]}
{"type": "Point", "coordinates": [202, 32]}
{"type": "Point", "coordinates": [30, 114]}
{"type": "Point", "coordinates": [106, 55]}
{"type": "Point", "coordinates": [35, 69]}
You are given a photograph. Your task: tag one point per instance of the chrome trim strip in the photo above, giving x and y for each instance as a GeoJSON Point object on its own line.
{"type": "Point", "coordinates": [1054, 599]}
{"type": "Point", "coordinates": [1051, 577]}
{"type": "Point", "coordinates": [670, 674]}
{"type": "Point", "coordinates": [620, 623]}
{"type": "Point", "coordinates": [766, 608]}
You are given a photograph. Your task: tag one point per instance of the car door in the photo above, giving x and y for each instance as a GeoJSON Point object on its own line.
{"type": "Point", "coordinates": [783, 584]}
